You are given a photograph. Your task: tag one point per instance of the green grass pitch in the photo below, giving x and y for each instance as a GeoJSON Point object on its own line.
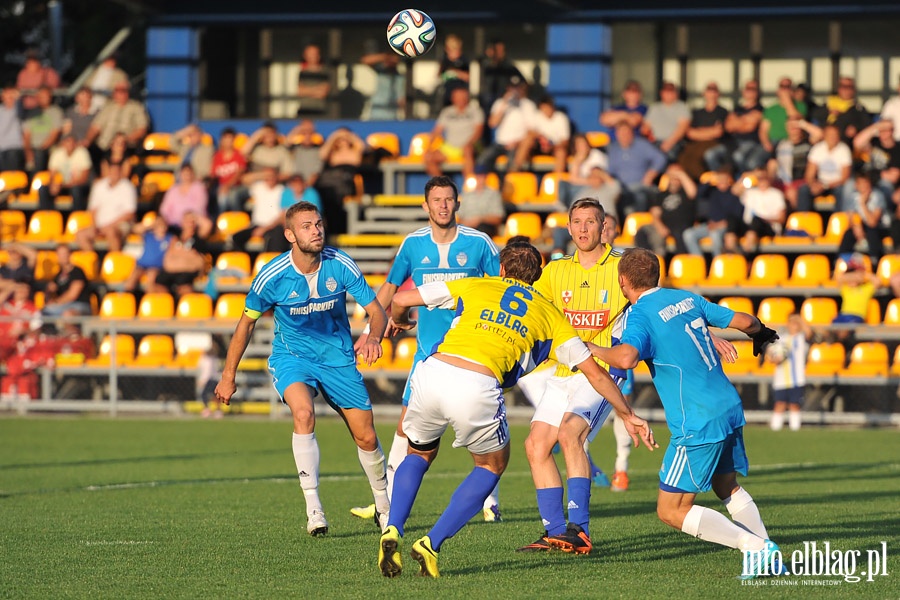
{"type": "Point", "coordinates": [98, 508]}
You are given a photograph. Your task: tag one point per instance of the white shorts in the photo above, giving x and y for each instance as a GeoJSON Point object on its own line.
{"type": "Point", "coordinates": [534, 384]}
{"type": "Point", "coordinates": [573, 394]}
{"type": "Point", "coordinates": [470, 402]}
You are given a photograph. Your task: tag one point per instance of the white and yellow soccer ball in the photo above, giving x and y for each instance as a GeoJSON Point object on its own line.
{"type": "Point", "coordinates": [411, 33]}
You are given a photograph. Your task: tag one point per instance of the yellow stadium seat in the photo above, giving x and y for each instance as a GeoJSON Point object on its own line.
{"type": "Point", "coordinates": [40, 179]}
{"type": "Point", "coordinates": [768, 270]}
{"type": "Point", "coordinates": [155, 351]}
{"type": "Point", "coordinates": [810, 222]}
{"type": "Point", "coordinates": [158, 142]}
{"type": "Point", "coordinates": [825, 359]}
{"type": "Point", "coordinates": [597, 139]}
{"type": "Point", "coordinates": [123, 347]}
{"type": "Point", "coordinates": [892, 314]}
{"type": "Point", "coordinates": [775, 311]}
{"type": "Point", "coordinates": [230, 306]}
{"type": "Point", "coordinates": [88, 261]}
{"type": "Point", "coordinates": [240, 139]}
{"type": "Point", "coordinates": [231, 222]}
{"type": "Point", "coordinates": [520, 187]}
{"type": "Point", "coordinates": [549, 190]}
{"type": "Point", "coordinates": [527, 224]}
{"type": "Point", "coordinates": [237, 262]}
{"type": "Point", "coordinates": [45, 226]}
{"type": "Point", "coordinates": [262, 259]}
{"type": "Point", "coordinates": [118, 305]}
{"type": "Point", "coordinates": [194, 306]}
{"type": "Point", "coordinates": [315, 138]}
{"type": "Point", "coordinates": [13, 181]}
{"type": "Point", "coordinates": [404, 353]}
{"type": "Point", "coordinates": [840, 265]}
{"type": "Point", "coordinates": [156, 305]}
{"type": "Point", "coordinates": [686, 270]}
{"type": "Point", "coordinates": [810, 270]}
{"type": "Point", "coordinates": [46, 265]}
{"type": "Point", "coordinates": [491, 180]}
{"type": "Point", "coordinates": [117, 267]}
{"type": "Point", "coordinates": [737, 304]}
{"type": "Point", "coordinates": [708, 177]}
{"type": "Point", "coordinates": [838, 223]}
{"type": "Point", "coordinates": [873, 314]}
{"type": "Point", "coordinates": [888, 266]}
{"type": "Point", "coordinates": [557, 219]}
{"type": "Point", "coordinates": [867, 359]}
{"type": "Point", "coordinates": [189, 346]}
{"type": "Point", "coordinates": [386, 360]}
{"type": "Point", "coordinates": [418, 146]}
{"type": "Point", "coordinates": [745, 362]}
{"type": "Point", "coordinates": [386, 140]}
{"type": "Point", "coordinates": [726, 270]}
{"type": "Point", "coordinates": [12, 225]}
{"type": "Point", "coordinates": [156, 182]}
{"type": "Point", "coordinates": [78, 220]}
{"type": "Point", "coordinates": [819, 311]}
{"type": "Point", "coordinates": [632, 223]}
{"type": "Point", "coordinates": [895, 366]}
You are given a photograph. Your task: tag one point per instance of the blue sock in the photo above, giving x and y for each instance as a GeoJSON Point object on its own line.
{"type": "Point", "coordinates": [407, 479]}
{"type": "Point", "coordinates": [550, 505]}
{"type": "Point", "coordinates": [465, 503]}
{"type": "Point", "coordinates": [579, 502]}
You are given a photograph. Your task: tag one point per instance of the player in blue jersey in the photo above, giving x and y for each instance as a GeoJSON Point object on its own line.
{"type": "Point", "coordinates": [668, 329]}
{"type": "Point", "coordinates": [442, 251]}
{"type": "Point", "coordinates": [312, 351]}
{"type": "Point", "coordinates": [503, 327]}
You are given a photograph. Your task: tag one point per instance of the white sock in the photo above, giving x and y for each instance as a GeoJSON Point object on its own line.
{"type": "Point", "coordinates": [777, 421]}
{"type": "Point", "coordinates": [399, 449]}
{"type": "Point", "coordinates": [374, 467]}
{"type": "Point", "coordinates": [712, 526]}
{"type": "Point", "coordinates": [623, 445]}
{"type": "Point", "coordinates": [494, 498]}
{"type": "Point", "coordinates": [744, 512]}
{"type": "Point", "coordinates": [794, 420]}
{"type": "Point", "coordinates": [306, 456]}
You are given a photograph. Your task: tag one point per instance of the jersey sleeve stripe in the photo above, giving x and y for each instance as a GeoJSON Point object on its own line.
{"type": "Point", "coordinates": [347, 262]}
{"type": "Point", "coordinates": [469, 232]}
{"type": "Point", "coordinates": [270, 270]}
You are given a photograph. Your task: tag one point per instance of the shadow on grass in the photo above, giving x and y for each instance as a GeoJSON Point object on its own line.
{"type": "Point", "coordinates": [130, 459]}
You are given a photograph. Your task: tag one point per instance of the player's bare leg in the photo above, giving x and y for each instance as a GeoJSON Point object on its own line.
{"type": "Point", "coordinates": [298, 397]}
{"type": "Point", "coordinates": [362, 427]}
{"type": "Point", "coordinates": [547, 483]}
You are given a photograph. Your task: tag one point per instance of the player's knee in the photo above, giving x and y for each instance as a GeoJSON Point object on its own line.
{"type": "Point", "coordinates": [304, 418]}
{"type": "Point", "coordinates": [537, 448]}
{"type": "Point", "coordinates": [367, 440]}
{"type": "Point", "coordinates": [570, 436]}
{"type": "Point", "coordinates": [668, 516]}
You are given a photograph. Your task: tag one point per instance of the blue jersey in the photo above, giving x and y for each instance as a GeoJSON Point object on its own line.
{"type": "Point", "coordinates": [669, 329]}
{"type": "Point", "coordinates": [311, 309]}
{"type": "Point", "coordinates": [471, 254]}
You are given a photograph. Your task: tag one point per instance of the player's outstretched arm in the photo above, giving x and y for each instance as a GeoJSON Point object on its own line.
{"type": "Point", "coordinates": [621, 356]}
{"type": "Point", "coordinates": [370, 350]}
{"type": "Point", "coordinates": [384, 296]}
{"type": "Point", "coordinates": [761, 335]}
{"type": "Point", "coordinates": [226, 388]}
{"type": "Point", "coordinates": [400, 308]}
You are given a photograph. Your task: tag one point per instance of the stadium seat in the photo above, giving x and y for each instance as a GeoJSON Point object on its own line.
{"type": "Point", "coordinates": [155, 351]}
{"type": "Point", "coordinates": [840, 265]}
{"type": "Point", "coordinates": [597, 139]}
{"type": "Point", "coordinates": [118, 305]}
{"type": "Point", "coordinates": [775, 311]}
{"type": "Point", "coordinates": [892, 314]}
{"type": "Point", "coordinates": [520, 187]}
{"type": "Point", "coordinates": [819, 311]}
{"type": "Point", "coordinates": [189, 345]}
{"type": "Point", "coordinates": [156, 305]}
{"type": "Point", "coordinates": [386, 360]}
{"type": "Point", "coordinates": [810, 222]}
{"type": "Point", "coordinates": [46, 265]}
{"type": "Point", "coordinates": [230, 222]}
{"type": "Point", "coordinates": [632, 223]}
{"type": "Point", "coordinates": [838, 223]}
{"type": "Point", "coordinates": [557, 219]}
{"type": "Point", "coordinates": [316, 139]}
{"type": "Point", "coordinates": [236, 262]}
{"type": "Point", "coordinates": [194, 306]}
{"type": "Point", "coordinates": [261, 260]}
{"type": "Point", "coordinates": [810, 270]}
{"type": "Point", "coordinates": [78, 220]}
{"type": "Point", "coordinates": [230, 307]}
{"type": "Point", "coordinates": [737, 304]}
{"type": "Point", "coordinates": [12, 225]}
{"type": "Point", "coordinates": [726, 270]}
{"type": "Point", "coordinates": [549, 190]}
{"type": "Point", "coordinates": [745, 362]}
{"type": "Point", "coordinates": [13, 181]}
{"type": "Point", "coordinates": [527, 224]}
{"type": "Point", "coordinates": [491, 180]}
{"type": "Point", "coordinates": [44, 226]}
{"type": "Point", "coordinates": [240, 139]}
{"type": "Point", "coordinates": [867, 359]}
{"type": "Point", "coordinates": [686, 270]}
{"type": "Point", "coordinates": [158, 142]}
{"type": "Point", "coordinates": [888, 266]}
{"type": "Point", "coordinates": [88, 261]}
{"type": "Point", "coordinates": [404, 353]}
{"type": "Point", "coordinates": [123, 348]}
{"type": "Point", "coordinates": [156, 182]}
{"type": "Point", "coordinates": [895, 365]}
{"type": "Point", "coordinates": [386, 140]}
{"type": "Point", "coordinates": [825, 359]}
{"type": "Point", "coordinates": [418, 146]}
{"type": "Point", "coordinates": [873, 314]}
{"type": "Point", "coordinates": [117, 267]}
{"type": "Point", "coordinates": [768, 270]}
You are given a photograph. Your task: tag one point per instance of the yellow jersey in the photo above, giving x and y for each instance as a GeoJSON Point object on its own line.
{"type": "Point", "coordinates": [855, 299]}
{"type": "Point", "coordinates": [504, 325]}
{"type": "Point", "coordinates": [591, 299]}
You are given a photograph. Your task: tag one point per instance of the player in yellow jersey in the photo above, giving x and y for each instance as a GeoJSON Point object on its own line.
{"type": "Point", "coordinates": [502, 329]}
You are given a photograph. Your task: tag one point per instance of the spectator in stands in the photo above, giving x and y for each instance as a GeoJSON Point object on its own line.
{"type": "Point", "coordinates": [113, 205]}
{"type": "Point", "coordinates": [188, 144]}
{"type": "Point", "coordinates": [156, 240]}
{"type": "Point", "coordinates": [296, 190]}
{"type": "Point", "coordinates": [188, 197]}
{"type": "Point", "coordinates": [789, 383]}
{"type": "Point", "coordinates": [70, 173]}
{"type": "Point", "coordinates": [41, 131]}
{"type": "Point", "coordinates": [33, 76]}
{"type": "Point", "coordinates": [742, 125]}
{"type": "Point", "coordinates": [306, 154]}
{"type": "Point", "coordinates": [263, 150]}
{"type": "Point", "coordinates": [460, 126]}
{"type": "Point", "coordinates": [667, 121]}
{"type": "Point", "coordinates": [788, 166]}
{"type": "Point", "coordinates": [497, 72]}
{"type": "Point", "coordinates": [869, 204]}
{"type": "Point", "coordinates": [18, 316]}
{"type": "Point", "coordinates": [453, 71]}
{"type": "Point", "coordinates": [773, 127]}
{"type": "Point", "coordinates": [584, 159]}
{"type": "Point", "coordinates": [19, 266]}
{"type": "Point", "coordinates": [765, 211]}
{"type": "Point", "coordinates": [724, 214]}
{"type": "Point", "coordinates": [104, 80]}
{"type": "Point", "coordinates": [548, 136]}
{"type": "Point", "coordinates": [118, 152]}
{"type": "Point", "coordinates": [79, 116]}
{"type": "Point", "coordinates": [184, 260]}
{"type": "Point", "coordinates": [707, 131]}
{"type": "Point", "coordinates": [342, 155]}
{"type": "Point", "coordinates": [630, 111]}
{"type": "Point", "coordinates": [228, 166]}
{"type": "Point", "coordinates": [603, 187]}
{"type": "Point", "coordinates": [12, 152]}
{"type": "Point", "coordinates": [673, 212]}
{"type": "Point", "coordinates": [636, 163]}
{"type": "Point", "coordinates": [481, 207]}
{"type": "Point", "coordinates": [208, 374]}
{"type": "Point", "coordinates": [510, 118]}
{"type": "Point", "coordinates": [121, 115]}
{"type": "Point", "coordinates": [314, 84]}
{"type": "Point", "coordinates": [891, 112]}
{"type": "Point", "coordinates": [857, 286]}
{"type": "Point", "coordinates": [845, 112]}
{"type": "Point", "coordinates": [877, 141]}
{"type": "Point", "coordinates": [69, 294]}
{"type": "Point", "coordinates": [827, 170]}
{"type": "Point", "coordinates": [389, 98]}
{"type": "Point", "coordinates": [803, 93]}
{"type": "Point", "coordinates": [267, 217]}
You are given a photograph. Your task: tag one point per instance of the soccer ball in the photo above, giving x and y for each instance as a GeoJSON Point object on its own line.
{"type": "Point", "coordinates": [776, 353]}
{"type": "Point", "coordinates": [411, 33]}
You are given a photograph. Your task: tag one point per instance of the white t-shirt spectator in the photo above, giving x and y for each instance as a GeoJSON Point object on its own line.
{"type": "Point", "coordinates": [555, 127]}
{"type": "Point", "coordinates": [594, 160]}
{"type": "Point", "coordinates": [891, 112]}
{"type": "Point", "coordinates": [517, 121]}
{"type": "Point", "coordinates": [110, 203]}
{"type": "Point", "coordinates": [766, 204]}
{"type": "Point", "coordinates": [266, 203]}
{"type": "Point", "coordinates": [68, 164]}
{"type": "Point", "coordinates": [830, 163]}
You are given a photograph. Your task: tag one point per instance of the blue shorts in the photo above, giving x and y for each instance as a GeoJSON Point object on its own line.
{"type": "Point", "coordinates": [342, 387]}
{"type": "Point", "coordinates": [690, 469]}
{"type": "Point", "coordinates": [792, 395]}
{"type": "Point", "coordinates": [407, 391]}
